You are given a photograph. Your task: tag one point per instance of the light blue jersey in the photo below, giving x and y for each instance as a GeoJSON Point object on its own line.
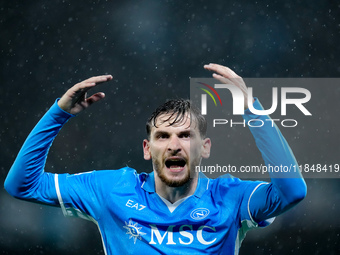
{"type": "Point", "coordinates": [133, 219]}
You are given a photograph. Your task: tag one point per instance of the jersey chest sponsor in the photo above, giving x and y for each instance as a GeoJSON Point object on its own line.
{"type": "Point", "coordinates": [185, 234]}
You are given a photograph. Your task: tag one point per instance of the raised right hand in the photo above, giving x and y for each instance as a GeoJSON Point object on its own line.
{"type": "Point", "coordinates": [75, 99]}
{"type": "Point", "coordinates": [226, 75]}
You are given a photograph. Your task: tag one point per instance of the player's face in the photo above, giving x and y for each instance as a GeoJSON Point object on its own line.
{"type": "Point", "coordinates": [175, 150]}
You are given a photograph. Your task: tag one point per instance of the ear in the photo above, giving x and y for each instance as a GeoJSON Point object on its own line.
{"type": "Point", "coordinates": [206, 143]}
{"type": "Point", "coordinates": [146, 150]}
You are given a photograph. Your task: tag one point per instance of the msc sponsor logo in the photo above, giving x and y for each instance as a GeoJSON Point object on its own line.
{"type": "Point", "coordinates": [187, 235]}
{"type": "Point", "coordinates": [183, 234]}
{"type": "Point", "coordinates": [199, 213]}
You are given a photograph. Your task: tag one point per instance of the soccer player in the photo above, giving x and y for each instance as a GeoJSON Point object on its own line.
{"type": "Point", "coordinates": [171, 210]}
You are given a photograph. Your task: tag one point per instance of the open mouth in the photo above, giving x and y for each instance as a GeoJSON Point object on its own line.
{"type": "Point", "coordinates": [175, 164]}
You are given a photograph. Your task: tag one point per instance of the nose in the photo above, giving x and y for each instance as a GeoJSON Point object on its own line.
{"type": "Point", "coordinates": [174, 144]}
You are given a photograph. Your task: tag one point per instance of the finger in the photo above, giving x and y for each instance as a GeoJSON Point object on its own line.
{"type": "Point", "coordinates": [99, 79]}
{"type": "Point", "coordinates": [85, 85]}
{"type": "Point", "coordinates": [95, 98]}
{"type": "Point", "coordinates": [235, 81]}
{"type": "Point", "coordinates": [222, 70]}
{"type": "Point", "coordinates": [222, 79]}
{"type": "Point", "coordinates": [92, 82]}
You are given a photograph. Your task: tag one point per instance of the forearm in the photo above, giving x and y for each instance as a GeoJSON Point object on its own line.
{"type": "Point", "coordinates": [287, 185]}
{"type": "Point", "coordinates": [26, 178]}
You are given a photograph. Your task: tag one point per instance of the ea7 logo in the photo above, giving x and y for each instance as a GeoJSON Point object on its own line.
{"type": "Point", "coordinates": [238, 99]}
{"type": "Point", "coordinates": [130, 203]}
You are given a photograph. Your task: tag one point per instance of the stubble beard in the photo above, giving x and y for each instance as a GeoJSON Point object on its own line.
{"type": "Point", "coordinates": [173, 183]}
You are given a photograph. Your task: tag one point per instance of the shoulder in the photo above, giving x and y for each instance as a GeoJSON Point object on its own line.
{"type": "Point", "coordinates": [122, 174]}
{"type": "Point", "coordinates": [103, 178]}
{"type": "Point", "coordinates": [228, 184]}
{"type": "Point", "coordinates": [229, 180]}
{"type": "Point", "coordinates": [125, 177]}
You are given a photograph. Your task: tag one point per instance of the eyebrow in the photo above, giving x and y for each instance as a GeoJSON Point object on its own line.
{"type": "Point", "coordinates": [160, 132]}
{"type": "Point", "coordinates": [186, 132]}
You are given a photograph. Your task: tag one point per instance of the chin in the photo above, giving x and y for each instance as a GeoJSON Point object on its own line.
{"type": "Point", "coordinates": [176, 181]}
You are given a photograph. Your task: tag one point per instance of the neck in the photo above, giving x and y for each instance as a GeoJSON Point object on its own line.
{"type": "Point", "coordinates": [174, 194]}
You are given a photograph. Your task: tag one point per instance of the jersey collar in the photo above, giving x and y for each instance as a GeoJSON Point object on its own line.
{"type": "Point", "coordinates": [203, 184]}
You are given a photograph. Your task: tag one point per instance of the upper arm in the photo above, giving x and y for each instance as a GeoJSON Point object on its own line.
{"type": "Point", "coordinates": [85, 195]}
{"type": "Point", "coordinates": [43, 190]}
{"type": "Point", "coordinates": [248, 196]}
{"type": "Point", "coordinates": [78, 194]}
{"type": "Point", "coordinates": [268, 200]}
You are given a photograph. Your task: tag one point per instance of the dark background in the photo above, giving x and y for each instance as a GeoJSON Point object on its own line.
{"type": "Point", "coordinates": [152, 48]}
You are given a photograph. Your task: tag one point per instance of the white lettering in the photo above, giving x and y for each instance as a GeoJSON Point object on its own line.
{"type": "Point", "coordinates": [254, 120]}
{"type": "Point", "coordinates": [135, 206]}
{"type": "Point", "coordinates": [292, 120]}
{"type": "Point", "coordinates": [256, 123]}
{"type": "Point", "coordinates": [186, 234]}
{"type": "Point", "coordinates": [238, 97]}
{"type": "Point", "coordinates": [184, 231]}
{"type": "Point", "coordinates": [159, 237]}
{"type": "Point", "coordinates": [272, 120]}
{"type": "Point", "coordinates": [241, 123]}
{"type": "Point", "coordinates": [220, 121]}
{"type": "Point", "coordinates": [298, 102]}
{"type": "Point", "coordinates": [262, 112]}
{"type": "Point", "coordinates": [130, 203]}
{"type": "Point", "coordinates": [200, 235]}
{"type": "Point", "coordinates": [204, 104]}
{"type": "Point", "coordinates": [238, 100]}
{"type": "Point", "coordinates": [141, 207]}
